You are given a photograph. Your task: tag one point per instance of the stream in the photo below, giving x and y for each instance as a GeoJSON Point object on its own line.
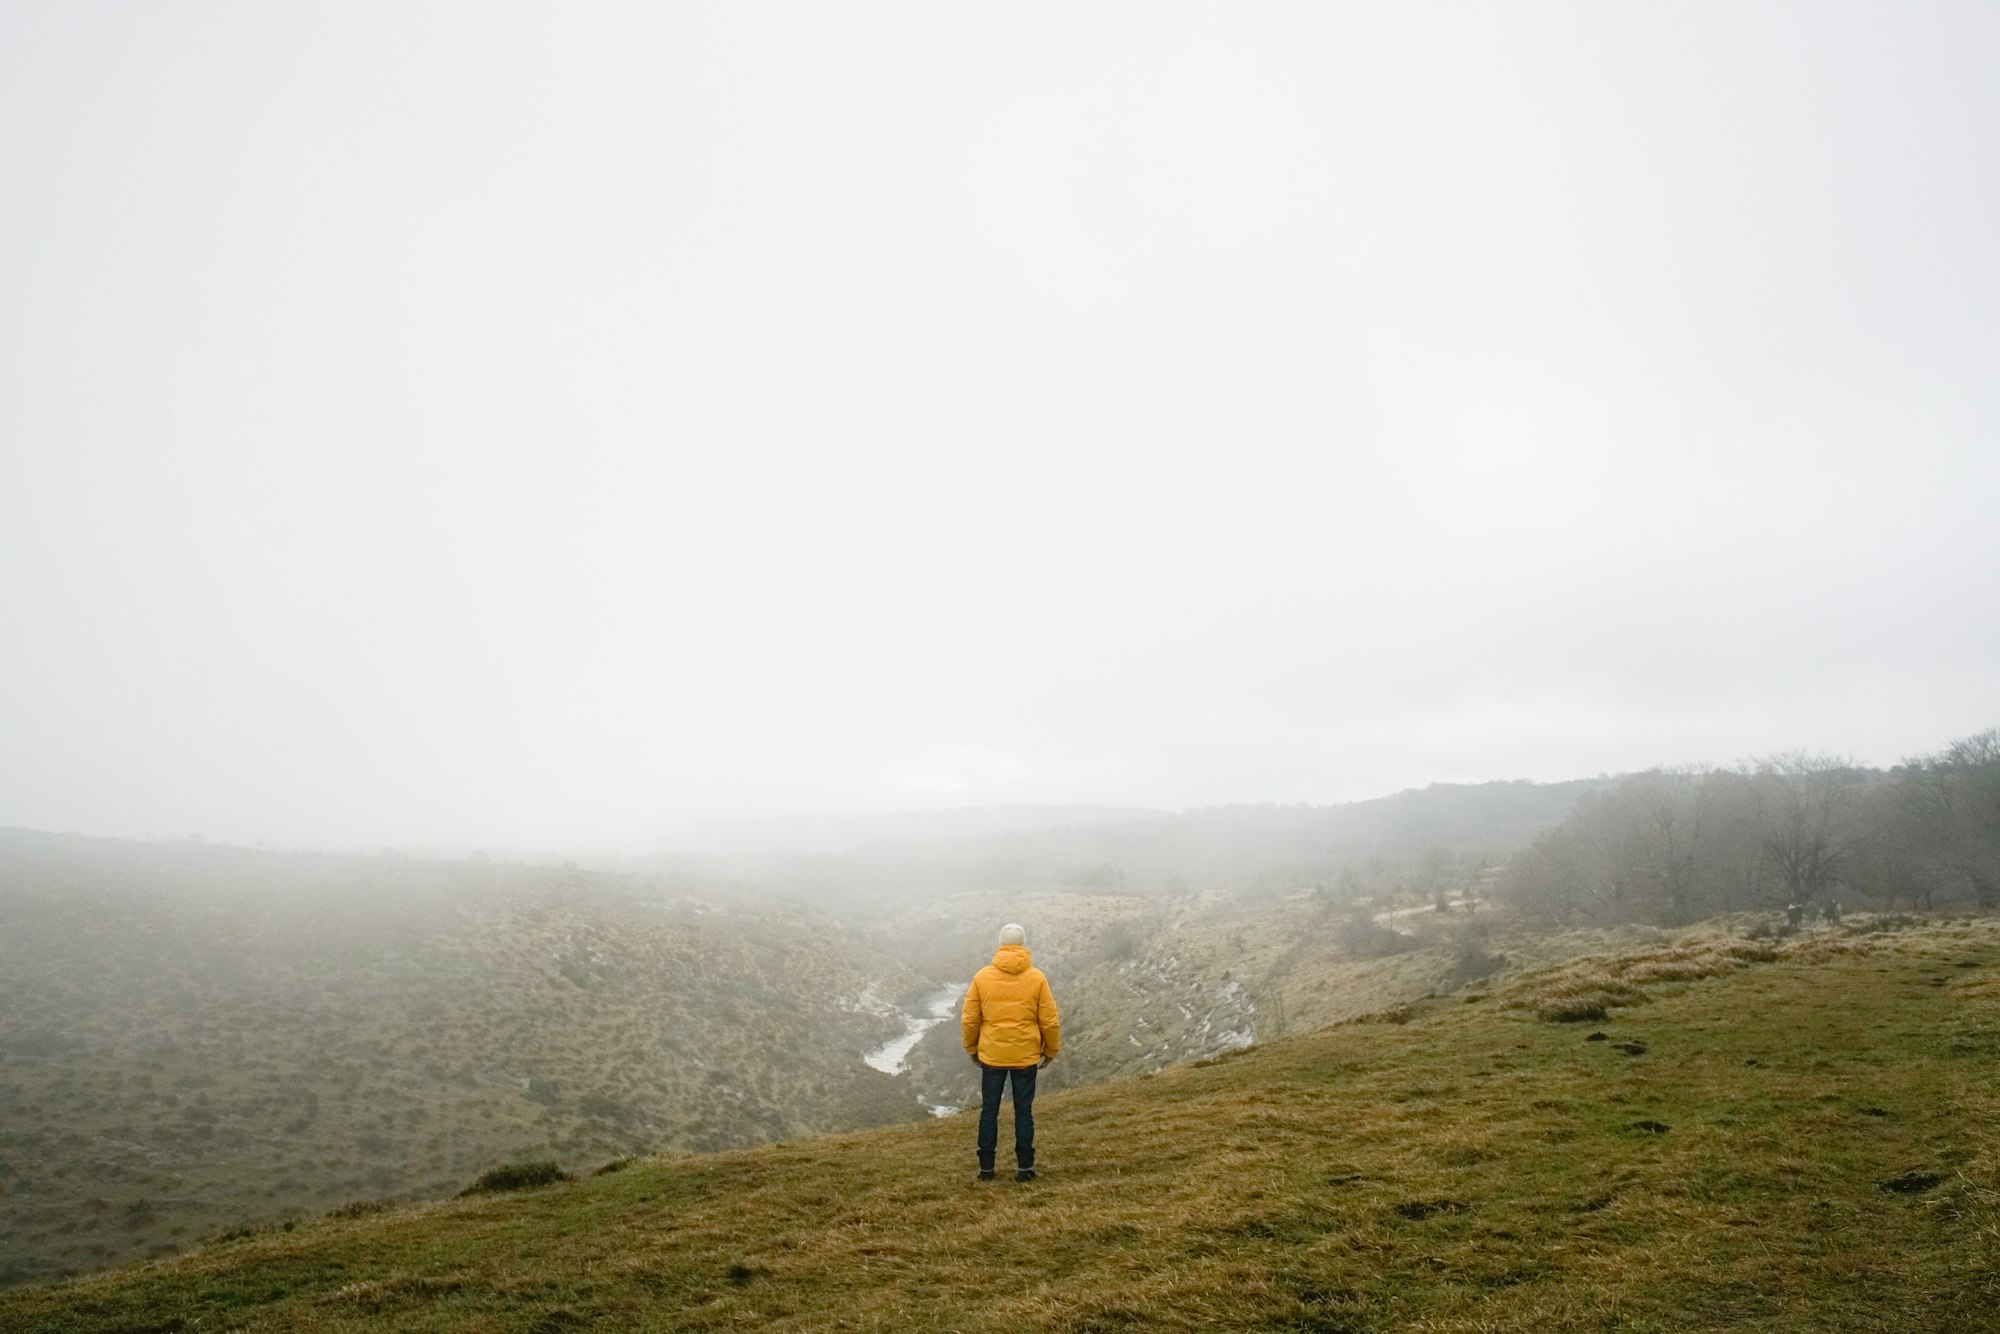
{"type": "Point", "coordinates": [892, 1057]}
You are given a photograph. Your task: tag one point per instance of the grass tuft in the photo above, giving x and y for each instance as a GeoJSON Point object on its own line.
{"type": "Point", "coordinates": [1418, 1210]}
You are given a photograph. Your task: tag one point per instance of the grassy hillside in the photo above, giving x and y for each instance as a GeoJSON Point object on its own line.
{"type": "Point", "coordinates": [196, 1037]}
{"type": "Point", "coordinates": [1792, 1136]}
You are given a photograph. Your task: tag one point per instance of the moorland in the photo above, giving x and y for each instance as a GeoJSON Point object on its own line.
{"type": "Point", "coordinates": [201, 1042]}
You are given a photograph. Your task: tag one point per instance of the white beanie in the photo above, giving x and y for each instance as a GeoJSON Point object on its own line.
{"type": "Point", "coordinates": [1012, 934]}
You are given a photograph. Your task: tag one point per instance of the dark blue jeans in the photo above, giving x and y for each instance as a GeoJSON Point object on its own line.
{"type": "Point", "coordinates": [993, 1079]}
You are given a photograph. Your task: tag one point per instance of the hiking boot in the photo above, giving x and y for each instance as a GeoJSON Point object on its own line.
{"type": "Point", "coordinates": [985, 1174]}
{"type": "Point", "coordinates": [1025, 1174]}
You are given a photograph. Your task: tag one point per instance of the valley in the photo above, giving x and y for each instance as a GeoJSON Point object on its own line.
{"type": "Point", "coordinates": [200, 1041]}
{"type": "Point", "coordinates": [1788, 1136]}
{"type": "Point", "coordinates": [193, 1039]}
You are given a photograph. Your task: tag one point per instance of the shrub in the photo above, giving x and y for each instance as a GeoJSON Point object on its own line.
{"type": "Point", "coordinates": [1365, 938]}
{"type": "Point", "coordinates": [1470, 959]}
{"type": "Point", "coordinates": [1571, 1010]}
{"type": "Point", "coordinates": [517, 1176]}
{"type": "Point", "coordinates": [1121, 941]}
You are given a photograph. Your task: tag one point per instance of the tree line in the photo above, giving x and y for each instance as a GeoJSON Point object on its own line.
{"type": "Point", "coordinates": [1800, 829]}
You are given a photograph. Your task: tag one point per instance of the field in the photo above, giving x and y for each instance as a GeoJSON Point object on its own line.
{"type": "Point", "coordinates": [1793, 1135]}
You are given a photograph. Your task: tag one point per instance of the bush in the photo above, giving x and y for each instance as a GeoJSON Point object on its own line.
{"type": "Point", "coordinates": [1470, 959]}
{"type": "Point", "coordinates": [517, 1176]}
{"type": "Point", "coordinates": [1365, 938]}
{"type": "Point", "coordinates": [1121, 941]}
{"type": "Point", "coordinates": [1572, 1010]}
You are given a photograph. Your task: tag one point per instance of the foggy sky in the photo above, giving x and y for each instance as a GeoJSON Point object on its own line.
{"type": "Point", "coordinates": [548, 424]}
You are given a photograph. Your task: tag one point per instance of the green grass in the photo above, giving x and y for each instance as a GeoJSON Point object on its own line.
{"type": "Point", "coordinates": [1762, 1164]}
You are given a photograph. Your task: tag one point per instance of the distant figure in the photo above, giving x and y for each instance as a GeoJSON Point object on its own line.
{"type": "Point", "coordinates": [1794, 914]}
{"type": "Point", "coordinates": [1832, 912]}
{"type": "Point", "coordinates": [1011, 1030]}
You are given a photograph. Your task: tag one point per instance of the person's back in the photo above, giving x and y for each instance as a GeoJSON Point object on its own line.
{"type": "Point", "coordinates": [1011, 1029]}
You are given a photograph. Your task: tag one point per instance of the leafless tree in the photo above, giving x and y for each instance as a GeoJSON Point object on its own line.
{"type": "Point", "coordinates": [1808, 814]}
{"type": "Point", "coordinates": [1671, 810]}
{"type": "Point", "coordinates": [1952, 805]}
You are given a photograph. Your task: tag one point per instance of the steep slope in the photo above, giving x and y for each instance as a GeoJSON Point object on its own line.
{"type": "Point", "coordinates": [193, 1037]}
{"type": "Point", "coordinates": [1790, 1137]}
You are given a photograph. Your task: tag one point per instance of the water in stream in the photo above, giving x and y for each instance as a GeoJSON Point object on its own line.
{"type": "Point", "coordinates": [893, 1056]}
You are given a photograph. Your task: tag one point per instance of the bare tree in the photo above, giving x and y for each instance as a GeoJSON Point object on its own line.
{"type": "Point", "coordinates": [1808, 807]}
{"type": "Point", "coordinates": [1563, 879]}
{"type": "Point", "coordinates": [1901, 860]}
{"type": "Point", "coordinates": [1952, 803]}
{"type": "Point", "coordinates": [1671, 810]}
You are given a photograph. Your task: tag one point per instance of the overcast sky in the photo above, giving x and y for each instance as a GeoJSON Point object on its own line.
{"type": "Point", "coordinates": [548, 424]}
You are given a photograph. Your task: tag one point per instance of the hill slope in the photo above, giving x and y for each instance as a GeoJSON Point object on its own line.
{"type": "Point", "coordinates": [196, 1037]}
{"type": "Point", "coordinates": [1790, 1138]}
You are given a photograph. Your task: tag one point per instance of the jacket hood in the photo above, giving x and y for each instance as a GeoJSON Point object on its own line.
{"type": "Point", "coordinates": [1012, 958]}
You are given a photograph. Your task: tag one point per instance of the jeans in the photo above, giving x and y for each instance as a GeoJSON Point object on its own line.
{"type": "Point", "coordinates": [992, 1079]}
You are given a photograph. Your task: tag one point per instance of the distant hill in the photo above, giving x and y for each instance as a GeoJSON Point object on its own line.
{"type": "Point", "coordinates": [830, 833]}
{"type": "Point", "coordinates": [1784, 1136]}
{"type": "Point", "coordinates": [1112, 849]}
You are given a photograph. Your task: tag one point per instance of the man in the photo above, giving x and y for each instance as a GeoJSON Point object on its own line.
{"type": "Point", "coordinates": [1011, 1030]}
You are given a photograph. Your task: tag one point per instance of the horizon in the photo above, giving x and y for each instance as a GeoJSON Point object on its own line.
{"type": "Point", "coordinates": [699, 838]}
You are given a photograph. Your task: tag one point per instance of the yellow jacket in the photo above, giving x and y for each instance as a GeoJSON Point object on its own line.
{"type": "Point", "coordinates": [1010, 1016]}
